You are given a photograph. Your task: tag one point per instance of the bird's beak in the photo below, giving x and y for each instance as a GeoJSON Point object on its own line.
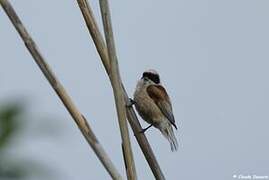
{"type": "Point", "coordinates": [145, 78]}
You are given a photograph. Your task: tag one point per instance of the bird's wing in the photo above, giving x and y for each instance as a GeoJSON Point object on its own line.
{"type": "Point", "coordinates": [159, 95]}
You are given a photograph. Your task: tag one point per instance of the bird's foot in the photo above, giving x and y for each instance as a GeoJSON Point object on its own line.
{"type": "Point", "coordinates": [144, 130]}
{"type": "Point", "coordinates": [130, 103]}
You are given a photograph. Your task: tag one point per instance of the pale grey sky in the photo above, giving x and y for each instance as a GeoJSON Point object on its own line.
{"type": "Point", "coordinates": [212, 56]}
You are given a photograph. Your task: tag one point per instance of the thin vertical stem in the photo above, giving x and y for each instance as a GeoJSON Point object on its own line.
{"type": "Point", "coordinates": [118, 91]}
{"type": "Point", "coordinates": [95, 33]}
{"type": "Point", "coordinates": [131, 115]}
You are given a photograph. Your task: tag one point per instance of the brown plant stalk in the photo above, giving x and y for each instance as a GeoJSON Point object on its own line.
{"type": "Point", "coordinates": [131, 115]}
{"type": "Point", "coordinates": [118, 91]}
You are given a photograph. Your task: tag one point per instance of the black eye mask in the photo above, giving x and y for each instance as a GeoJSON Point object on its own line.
{"type": "Point", "coordinates": [154, 77]}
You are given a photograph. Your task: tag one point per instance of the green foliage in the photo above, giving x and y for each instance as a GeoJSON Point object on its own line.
{"type": "Point", "coordinates": [9, 127]}
{"type": "Point", "coordinates": [9, 123]}
{"type": "Point", "coordinates": [12, 124]}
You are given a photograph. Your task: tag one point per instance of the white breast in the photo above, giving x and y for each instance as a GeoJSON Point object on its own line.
{"type": "Point", "coordinates": [145, 106]}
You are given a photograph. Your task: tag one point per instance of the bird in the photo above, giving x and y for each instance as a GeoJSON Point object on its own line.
{"type": "Point", "coordinates": [154, 105]}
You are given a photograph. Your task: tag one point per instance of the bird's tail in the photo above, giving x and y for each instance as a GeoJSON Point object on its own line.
{"type": "Point", "coordinates": [167, 131]}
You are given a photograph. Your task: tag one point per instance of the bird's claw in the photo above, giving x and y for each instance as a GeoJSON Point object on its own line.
{"type": "Point", "coordinates": [144, 130]}
{"type": "Point", "coordinates": [130, 103]}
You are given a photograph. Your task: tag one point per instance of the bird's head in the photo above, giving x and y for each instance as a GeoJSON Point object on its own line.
{"type": "Point", "coordinates": [151, 76]}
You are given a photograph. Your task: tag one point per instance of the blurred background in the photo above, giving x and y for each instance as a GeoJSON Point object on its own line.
{"type": "Point", "coordinates": [212, 57]}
